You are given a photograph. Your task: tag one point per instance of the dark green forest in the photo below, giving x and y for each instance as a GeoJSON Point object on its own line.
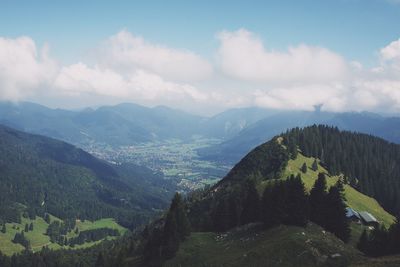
{"type": "Point", "coordinates": [371, 164]}
{"type": "Point", "coordinates": [40, 175]}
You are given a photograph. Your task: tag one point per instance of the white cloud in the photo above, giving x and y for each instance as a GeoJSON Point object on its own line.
{"type": "Point", "coordinates": [360, 94]}
{"type": "Point", "coordinates": [242, 55]}
{"type": "Point", "coordinates": [139, 85]}
{"type": "Point", "coordinates": [303, 97]}
{"type": "Point", "coordinates": [23, 70]}
{"type": "Point", "coordinates": [127, 52]}
{"type": "Point", "coordinates": [390, 60]}
{"type": "Point", "coordinates": [391, 51]}
{"type": "Point", "coordinates": [132, 69]}
{"type": "Point", "coordinates": [79, 78]}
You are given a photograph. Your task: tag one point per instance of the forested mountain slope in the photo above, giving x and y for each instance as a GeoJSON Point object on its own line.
{"type": "Point", "coordinates": [371, 164]}
{"type": "Point", "coordinates": [39, 174]}
{"type": "Point", "coordinates": [266, 210]}
{"type": "Point", "coordinates": [273, 160]}
{"type": "Point", "coordinates": [274, 184]}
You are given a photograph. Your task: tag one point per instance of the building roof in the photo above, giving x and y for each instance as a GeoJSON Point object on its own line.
{"type": "Point", "coordinates": [350, 213]}
{"type": "Point", "coordinates": [367, 217]}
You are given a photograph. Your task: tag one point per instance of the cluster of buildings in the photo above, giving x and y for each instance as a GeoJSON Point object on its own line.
{"type": "Point", "coordinates": [361, 217]}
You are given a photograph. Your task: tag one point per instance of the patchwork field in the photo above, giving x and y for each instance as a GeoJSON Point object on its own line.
{"type": "Point", "coordinates": [39, 239]}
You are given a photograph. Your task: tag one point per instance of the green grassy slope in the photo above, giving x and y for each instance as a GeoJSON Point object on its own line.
{"type": "Point", "coordinates": [355, 199]}
{"type": "Point", "coordinates": [283, 245]}
{"type": "Point", "coordinates": [39, 239]}
{"type": "Point", "coordinates": [250, 246]}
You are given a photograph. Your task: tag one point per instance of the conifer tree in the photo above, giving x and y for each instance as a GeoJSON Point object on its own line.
{"type": "Point", "coordinates": [171, 235]}
{"type": "Point", "coordinates": [26, 227]}
{"type": "Point", "coordinates": [304, 168]}
{"type": "Point", "coordinates": [100, 260]}
{"type": "Point", "coordinates": [394, 234]}
{"type": "Point", "coordinates": [318, 207]}
{"type": "Point", "coordinates": [233, 213]}
{"type": "Point", "coordinates": [314, 165]}
{"type": "Point", "coordinates": [250, 212]}
{"type": "Point", "coordinates": [47, 218]}
{"type": "Point", "coordinates": [177, 206]}
{"type": "Point", "coordinates": [221, 215]}
{"type": "Point", "coordinates": [274, 210]}
{"type": "Point", "coordinates": [292, 148]}
{"type": "Point", "coordinates": [176, 227]}
{"type": "Point", "coordinates": [267, 214]}
{"type": "Point", "coordinates": [31, 226]}
{"type": "Point", "coordinates": [297, 202]}
{"type": "Point", "coordinates": [378, 244]}
{"type": "Point", "coordinates": [362, 244]}
{"type": "Point", "coordinates": [3, 229]}
{"type": "Point", "coordinates": [340, 186]}
{"type": "Point", "coordinates": [336, 220]}
{"type": "Point", "coordinates": [152, 252]}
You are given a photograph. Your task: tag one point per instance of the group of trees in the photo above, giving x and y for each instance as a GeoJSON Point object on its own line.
{"type": "Point", "coordinates": [381, 241]}
{"type": "Point", "coordinates": [9, 211]}
{"type": "Point", "coordinates": [92, 235]}
{"type": "Point", "coordinates": [20, 238]}
{"type": "Point", "coordinates": [328, 208]}
{"type": "Point", "coordinates": [57, 231]}
{"type": "Point", "coordinates": [162, 241]}
{"type": "Point", "coordinates": [28, 227]}
{"type": "Point", "coordinates": [285, 202]}
{"type": "Point", "coordinates": [314, 166]}
{"type": "Point", "coordinates": [57, 258]}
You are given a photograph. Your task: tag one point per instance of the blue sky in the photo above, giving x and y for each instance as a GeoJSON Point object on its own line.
{"type": "Point", "coordinates": [214, 36]}
{"type": "Point", "coordinates": [354, 28]}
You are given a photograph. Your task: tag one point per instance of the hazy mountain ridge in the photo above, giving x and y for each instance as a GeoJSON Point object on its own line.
{"type": "Point", "coordinates": [236, 147]}
{"type": "Point", "coordinates": [125, 123]}
{"type": "Point", "coordinates": [128, 123]}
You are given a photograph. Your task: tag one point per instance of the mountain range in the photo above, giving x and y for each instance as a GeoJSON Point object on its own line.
{"type": "Point", "coordinates": [235, 148]}
{"type": "Point", "coordinates": [239, 130]}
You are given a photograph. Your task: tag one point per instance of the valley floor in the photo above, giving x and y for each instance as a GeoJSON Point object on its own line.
{"type": "Point", "coordinates": [175, 159]}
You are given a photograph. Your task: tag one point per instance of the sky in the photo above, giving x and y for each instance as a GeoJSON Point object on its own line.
{"type": "Point", "coordinates": [203, 56]}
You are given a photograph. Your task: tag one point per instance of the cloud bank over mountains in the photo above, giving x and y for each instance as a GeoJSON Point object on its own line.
{"type": "Point", "coordinates": [243, 71]}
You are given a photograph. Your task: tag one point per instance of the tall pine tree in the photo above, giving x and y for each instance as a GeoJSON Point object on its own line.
{"type": "Point", "coordinates": [250, 212]}
{"type": "Point", "coordinates": [314, 165]}
{"type": "Point", "coordinates": [318, 207]}
{"type": "Point", "coordinates": [304, 168]}
{"type": "Point", "coordinates": [297, 202]}
{"type": "Point", "coordinates": [336, 221]}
